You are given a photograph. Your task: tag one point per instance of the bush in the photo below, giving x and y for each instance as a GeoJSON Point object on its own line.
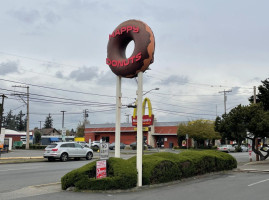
{"type": "Point", "coordinates": [121, 175]}
{"type": "Point", "coordinates": [32, 146]}
{"type": "Point", "coordinates": [157, 168]}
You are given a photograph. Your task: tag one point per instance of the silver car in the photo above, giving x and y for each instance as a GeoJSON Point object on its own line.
{"type": "Point", "coordinates": [226, 148]}
{"type": "Point", "coordinates": [66, 150]}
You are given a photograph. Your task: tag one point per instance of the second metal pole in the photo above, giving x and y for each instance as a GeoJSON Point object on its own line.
{"type": "Point", "coordinates": [118, 117]}
{"type": "Point", "coordinates": [139, 147]}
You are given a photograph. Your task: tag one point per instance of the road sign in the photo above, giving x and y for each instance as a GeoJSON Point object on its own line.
{"type": "Point", "coordinates": [104, 151]}
{"type": "Point", "coordinates": [101, 169]}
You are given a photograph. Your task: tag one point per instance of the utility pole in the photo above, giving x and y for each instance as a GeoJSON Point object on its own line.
{"type": "Point", "coordinates": [2, 109]}
{"type": "Point", "coordinates": [63, 129]}
{"type": "Point", "coordinates": [86, 115]}
{"type": "Point", "coordinates": [225, 98]}
{"type": "Point", "coordinates": [254, 96]}
{"type": "Point", "coordinates": [27, 103]}
{"type": "Point", "coordinates": [40, 125]}
{"type": "Point", "coordinates": [63, 118]}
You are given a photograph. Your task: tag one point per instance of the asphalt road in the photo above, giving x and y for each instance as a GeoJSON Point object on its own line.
{"type": "Point", "coordinates": [41, 181]}
{"type": "Point", "coordinates": [247, 186]}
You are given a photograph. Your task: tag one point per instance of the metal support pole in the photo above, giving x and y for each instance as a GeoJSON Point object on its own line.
{"type": "Point", "coordinates": [139, 148]}
{"type": "Point", "coordinates": [2, 109]}
{"type": "Point", "coordinates": [27, 133]}
{"type": "Point", "coordinates": [118, 117]}
{"type": "Point", "coordinates": [63, 118]}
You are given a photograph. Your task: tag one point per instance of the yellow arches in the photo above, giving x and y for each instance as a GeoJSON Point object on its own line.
{"type": "Point", "coordinates": [146, 100]}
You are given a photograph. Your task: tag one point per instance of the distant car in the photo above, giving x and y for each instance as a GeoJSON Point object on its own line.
{"type": "Point", "coordinates": [112, 146]}
{"type": "Point", "coordinates": [243, 148]}
{"type": "Point", "coordinates": [226, 148]}
{"type": "Point", "coordinates": [96, 144]}
{"type": "Point", "coordinates": [133, 145]}
{"type": "Point", "coordinates": [66, 150]}
{"type": "Point", "coordinates": [82, 143]}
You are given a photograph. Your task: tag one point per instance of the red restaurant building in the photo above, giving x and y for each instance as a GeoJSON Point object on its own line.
{"type": "Point", "coordinates": [161, 134]}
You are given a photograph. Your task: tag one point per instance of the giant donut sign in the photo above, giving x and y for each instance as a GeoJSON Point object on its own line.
{"type": "Point", "coordinates": [143, 53]}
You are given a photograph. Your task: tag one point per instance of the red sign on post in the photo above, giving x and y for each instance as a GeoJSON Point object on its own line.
{"type": "Point", "coordinates": [147, 120]}
{"type": "Point", "coordinates": [101, 169]}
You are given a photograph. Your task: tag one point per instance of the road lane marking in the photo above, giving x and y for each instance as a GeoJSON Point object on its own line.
{"type": "Point", "coordinates": [18, 169]}
{"type": "Point", "coordinates": [258, 182]}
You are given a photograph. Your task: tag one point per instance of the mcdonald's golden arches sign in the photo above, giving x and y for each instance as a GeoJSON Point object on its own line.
{"type": "Point", "coordinates": [147, 119]}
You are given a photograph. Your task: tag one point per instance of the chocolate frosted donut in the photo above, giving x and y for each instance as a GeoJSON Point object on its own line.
{"type": "Point", "coordinates": [143, 52]}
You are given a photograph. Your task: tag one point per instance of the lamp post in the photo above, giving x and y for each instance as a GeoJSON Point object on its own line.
{"type": "Point", "coordinates": [150, 91]}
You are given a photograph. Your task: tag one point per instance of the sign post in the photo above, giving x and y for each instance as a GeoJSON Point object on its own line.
{"type": "Point", "coordinates": [104, 152]}
{"type": "Point", "coordinates": [250, 152]}
{"type": "Point", "coordinates": [101, 165]}
{"type": "Point", "coordinates": [100, 169]}
{"type": "Point", "coordinates": [187, 139]}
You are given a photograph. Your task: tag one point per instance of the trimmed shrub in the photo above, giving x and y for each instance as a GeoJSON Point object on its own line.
{"type": "Point", "coordinates": [121, 175]}
{"type": "Point", "coordinates": [157, 168]}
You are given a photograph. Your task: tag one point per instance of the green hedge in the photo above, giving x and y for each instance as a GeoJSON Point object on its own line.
{"type": "Point", "coordinates": [157, 168]}
{"type": "Point", "coordinates": [32, 146]}
{"type": "Point", "coordinates": [121, 175]}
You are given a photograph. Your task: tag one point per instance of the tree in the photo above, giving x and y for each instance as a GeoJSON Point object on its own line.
{"type": "Point", "coordinates": [80, 130]}
{"type": "Point", "coordinates": [37, 137]}
{"type": "Point", "coordinates": [9, 122]}
{"type": "Point", "coordinates": [263, 95]}
{"type": "Point", "coordinates": [232, 125]}
{"type": "Point", "coordinates": [199, 130]}
{"type": "Point", "coordinates": [48, 122]}
{"type": "Point", "coordinates": [257, 123]}
{"type": "Point", "coordinates": [20, 123]}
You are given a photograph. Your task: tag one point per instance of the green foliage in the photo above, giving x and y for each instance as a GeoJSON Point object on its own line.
{"type": "Point", "coordinates": [37, 137]}
{"type": "Point", "coordinates": [48, 122]}
{"type": "Point", "coordinates": [199, 130]}
{"type": "Point", "coordinates": [80, 130]}
{"type": "Point", "coordinates": [157, 168]}
{"type": "Point", "coordinates": [263, 95]}
{"type": "Point", "coordinates": [20, 123]}
{"type": "Point", "coordinates": [257, 121]}
{"type": "Point", "coordinates": [33, 146]}
{"type": "Point", "coordinates": [232, 126]}
{"type": "Point", "coordinates": [121, 175]}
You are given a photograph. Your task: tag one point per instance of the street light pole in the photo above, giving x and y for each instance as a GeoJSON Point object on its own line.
{"type": "Point", "coordinates": [150, 91]}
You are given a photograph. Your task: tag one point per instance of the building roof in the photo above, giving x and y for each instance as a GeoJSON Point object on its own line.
{"type": "Point", "coordinates": [130, 124]}
{"type": "Point", "coordinates": [12, 132]}
{"type": "Point", "coordinates": [161, 128]}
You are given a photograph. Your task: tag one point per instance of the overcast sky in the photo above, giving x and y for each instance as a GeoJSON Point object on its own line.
{"type": "Point", "coordinates": [59, 47]}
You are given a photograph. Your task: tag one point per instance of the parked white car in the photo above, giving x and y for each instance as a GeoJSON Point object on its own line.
{"type": "Point", "coordinates": [66, 150]}
{"type": "Point", "coordinates": [96, 144]}
{"type": "Point", "coordinates": [226, 148]}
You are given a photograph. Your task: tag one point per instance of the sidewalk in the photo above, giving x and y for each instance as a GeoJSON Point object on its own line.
{"type": "Point", "coordinates": [255, 166]}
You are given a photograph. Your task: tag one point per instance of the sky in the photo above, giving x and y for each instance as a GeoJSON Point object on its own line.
{"type": "Point", "coordinates": [58, 49]}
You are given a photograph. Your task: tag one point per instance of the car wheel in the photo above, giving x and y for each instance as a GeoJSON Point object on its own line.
{"type": "Point", "coordinates": [64, 157]}
{"type": "Point", "coordinates": [89, 156]}
{"type": "Point", "coordinates": [50, 159]}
